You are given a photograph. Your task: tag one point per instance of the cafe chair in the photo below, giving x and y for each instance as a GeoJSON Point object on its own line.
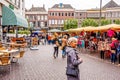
{"type": "Point", "coordinates": [18, 56]}
{"type": "Point", "coordinates": [5, 61]}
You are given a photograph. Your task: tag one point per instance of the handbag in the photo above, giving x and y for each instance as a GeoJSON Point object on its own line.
{"type": "Point", "coordinates": [72, 72]}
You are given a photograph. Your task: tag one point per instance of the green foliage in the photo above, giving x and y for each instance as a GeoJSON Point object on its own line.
{"type": "Point", "coordinates": [89, 22]}
{"type": "Point", "coordinates": [70, 23]}
{"type": "Point", "coordinates": [105, 22]}
{"type": "Point", "coordinates": [117, 21]}
{"type": "Point", "coordinates": [24, 32]}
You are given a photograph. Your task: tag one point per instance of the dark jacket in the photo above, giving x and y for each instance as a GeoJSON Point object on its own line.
{"type": "Point", "coordinates": [72, 61]}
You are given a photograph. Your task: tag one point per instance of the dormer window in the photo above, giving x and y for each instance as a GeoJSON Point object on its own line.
{"type": "Point", "coordinates": [61, 5]}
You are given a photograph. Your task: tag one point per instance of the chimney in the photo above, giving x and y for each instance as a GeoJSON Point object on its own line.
{"type": "Point", "coordinates": [32, 5]}
{"type": "Point", "coordinates": [43, 5]}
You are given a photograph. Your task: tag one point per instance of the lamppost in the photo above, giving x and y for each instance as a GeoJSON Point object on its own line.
{"type": "Point", "coordinates": [100, 13]}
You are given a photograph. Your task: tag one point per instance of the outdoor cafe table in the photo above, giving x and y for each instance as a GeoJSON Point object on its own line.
{"type": "Point", "coordinates": [1, 54]}
{"type": "Point", "coordinates": [12, 52]}
{"type": "Point", "coordinates": [16, 45]}
{"type": "Point", "coordinates": [9, 51]}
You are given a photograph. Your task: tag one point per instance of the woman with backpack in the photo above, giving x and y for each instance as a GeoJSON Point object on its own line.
{"type": "Point", "coordinates": [113, 50]}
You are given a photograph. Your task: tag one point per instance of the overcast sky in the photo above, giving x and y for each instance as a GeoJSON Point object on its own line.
{"type": "Point", "coordinates": [78, 4]}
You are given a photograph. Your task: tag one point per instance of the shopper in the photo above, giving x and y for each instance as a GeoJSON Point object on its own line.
{"type": "Point", "coordinates": [73, 60]}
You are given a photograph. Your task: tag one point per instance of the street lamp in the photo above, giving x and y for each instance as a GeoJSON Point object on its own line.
{"type": "Point", "coordinates": [100, 13]}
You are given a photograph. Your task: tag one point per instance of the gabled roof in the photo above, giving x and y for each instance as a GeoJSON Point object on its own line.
{"type": "Point", "coordinates": [38, 9]}
{"type": "Point", "coordinates": [41, 9]}
{"type": "Point", "coordinates": [63, 6]}
{"type": "Point", "coordinates": [111, 4]}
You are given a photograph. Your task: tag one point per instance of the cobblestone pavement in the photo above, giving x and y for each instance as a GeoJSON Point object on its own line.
{"type": "Point", "coordinates": [40, 65]}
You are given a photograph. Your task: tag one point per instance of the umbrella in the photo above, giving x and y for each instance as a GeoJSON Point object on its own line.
{"type": "Point", "coordinates": [37, 32]}
{"type": "Point", "coordinates": [54, 30]}
{"type": "Point", "coordinates": [107, 27]}
{"type": "Point", "coordinates": [76, 30]}
{"type": "Point", "coordinates": [90, 28]}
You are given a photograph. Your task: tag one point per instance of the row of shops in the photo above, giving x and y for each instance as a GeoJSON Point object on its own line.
{"type": "Point", "coordinates": [10, 19]}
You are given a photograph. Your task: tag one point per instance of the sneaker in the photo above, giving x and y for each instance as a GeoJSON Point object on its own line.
{"type": "Point", "coordinates": [54, 56]}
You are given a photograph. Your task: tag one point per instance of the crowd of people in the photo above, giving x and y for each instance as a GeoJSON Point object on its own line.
{"type": "Point", "coordinates": [107, 44]}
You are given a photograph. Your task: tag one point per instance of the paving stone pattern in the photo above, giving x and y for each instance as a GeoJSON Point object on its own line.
{"type": "Point", "coordinates": [40, 65]}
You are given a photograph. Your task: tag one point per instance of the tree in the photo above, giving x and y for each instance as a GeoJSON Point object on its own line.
{"type": "Point", "coordinates": [89, 22]}
{"type": "Point", "coordinates": [70, 23]}
{"type": "Point", "coordinates": [105, 22]}
{"type": "Point", "coordinates": [117, 21]}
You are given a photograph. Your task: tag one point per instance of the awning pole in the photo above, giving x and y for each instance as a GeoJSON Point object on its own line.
{"type": "Point", "coordinates": [16, 31]}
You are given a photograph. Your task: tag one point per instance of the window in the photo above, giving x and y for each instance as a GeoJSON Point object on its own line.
{"type": "Point", "coordinates": [65, 14]}
{"type": "Point", "coordinates": [33, 24]}
{"type": "Point", "coordinates": [35, 17]}
{"type": "Point", "coordinates": [45, 24]}
{"type": "Point", "coordinates": [15, 2]}
{"type": "Point", "coordinates": [52, 14]}
{"type": "Point", "coordinates": [80, 14]}
{"type": "Point", "coordinates": [55, 14]}
{"type": "Point", "coordinates": [72, 14]}
{"type": "Point", "coordinates": [42, 24]}
{"type": "Point", "coordinates": [62, 21]}
{"type": "Point", "coordinates": [59, 14]}
{"type": "Point", "coordinates": [50, 22]}
{"type": "Point", "coordinates": [41, 17]}
{"type": "Point", "coordinates": [55, 21]}
{"type": "Point", "coordinates": [45, 17]}
{"type": "Point", "coordinates": [62, 14]}
{"type": "Point", "coordinates": [58, 21]}
{"type": "Point", "coordinates": [38, 17]}
{"type": "Point", "coordinates": [19, 3]}
{"type": "Point", "coordinates": [69, 14]}
{"type": "Point", "coordinates": [38, 23]}
{"type": "Point", "coordinates": [31, 17]}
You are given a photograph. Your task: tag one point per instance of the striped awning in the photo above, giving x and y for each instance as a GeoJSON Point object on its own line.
{"type": "Point", "coordinates": [11, 18]}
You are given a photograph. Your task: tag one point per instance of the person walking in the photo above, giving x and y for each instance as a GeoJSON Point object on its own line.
{"type": "Point", "coordinates": [113, 50]}
{"type": "Point", "coordinates": [56, 47]}
{"type": "Point", "coordinates": [64, 43]}
{"type": "Point", "coordinates": [73, 60]}
{"type": "Point", "coordinates": [101, 48]}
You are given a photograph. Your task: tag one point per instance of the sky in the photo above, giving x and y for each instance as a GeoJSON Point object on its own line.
{"type": "Point", "coordinates": [77, 4]}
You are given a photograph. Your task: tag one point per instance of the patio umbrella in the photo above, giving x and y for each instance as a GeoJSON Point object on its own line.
{"type": "Point", "coordinates": [76, 30]}
{"type": "Point", "coordinates": [107, 27]}
{"type": "Point", "coordinates": [54, 30]}
{"type": "Point", "coordinates": [90, 28]}
{"type": "Point", "coordinates": [37, 32]}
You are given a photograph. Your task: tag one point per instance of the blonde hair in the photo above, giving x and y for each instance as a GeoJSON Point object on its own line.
{"type": "Point", "coordinates": [71, 39]}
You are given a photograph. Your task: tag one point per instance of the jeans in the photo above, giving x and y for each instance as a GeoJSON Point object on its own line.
{"type": "Point", "coordinates": [119, 58]}
{"type": "Point", "coordinates": [113, 57]}
{"type": "Point", "coordinates": [55, 52]}
{"type": "Point", "coordinates": [102, 54]}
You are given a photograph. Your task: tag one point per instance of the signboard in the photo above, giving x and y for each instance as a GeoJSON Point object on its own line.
{"type": "Point", "coordinates": [11, 6]}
